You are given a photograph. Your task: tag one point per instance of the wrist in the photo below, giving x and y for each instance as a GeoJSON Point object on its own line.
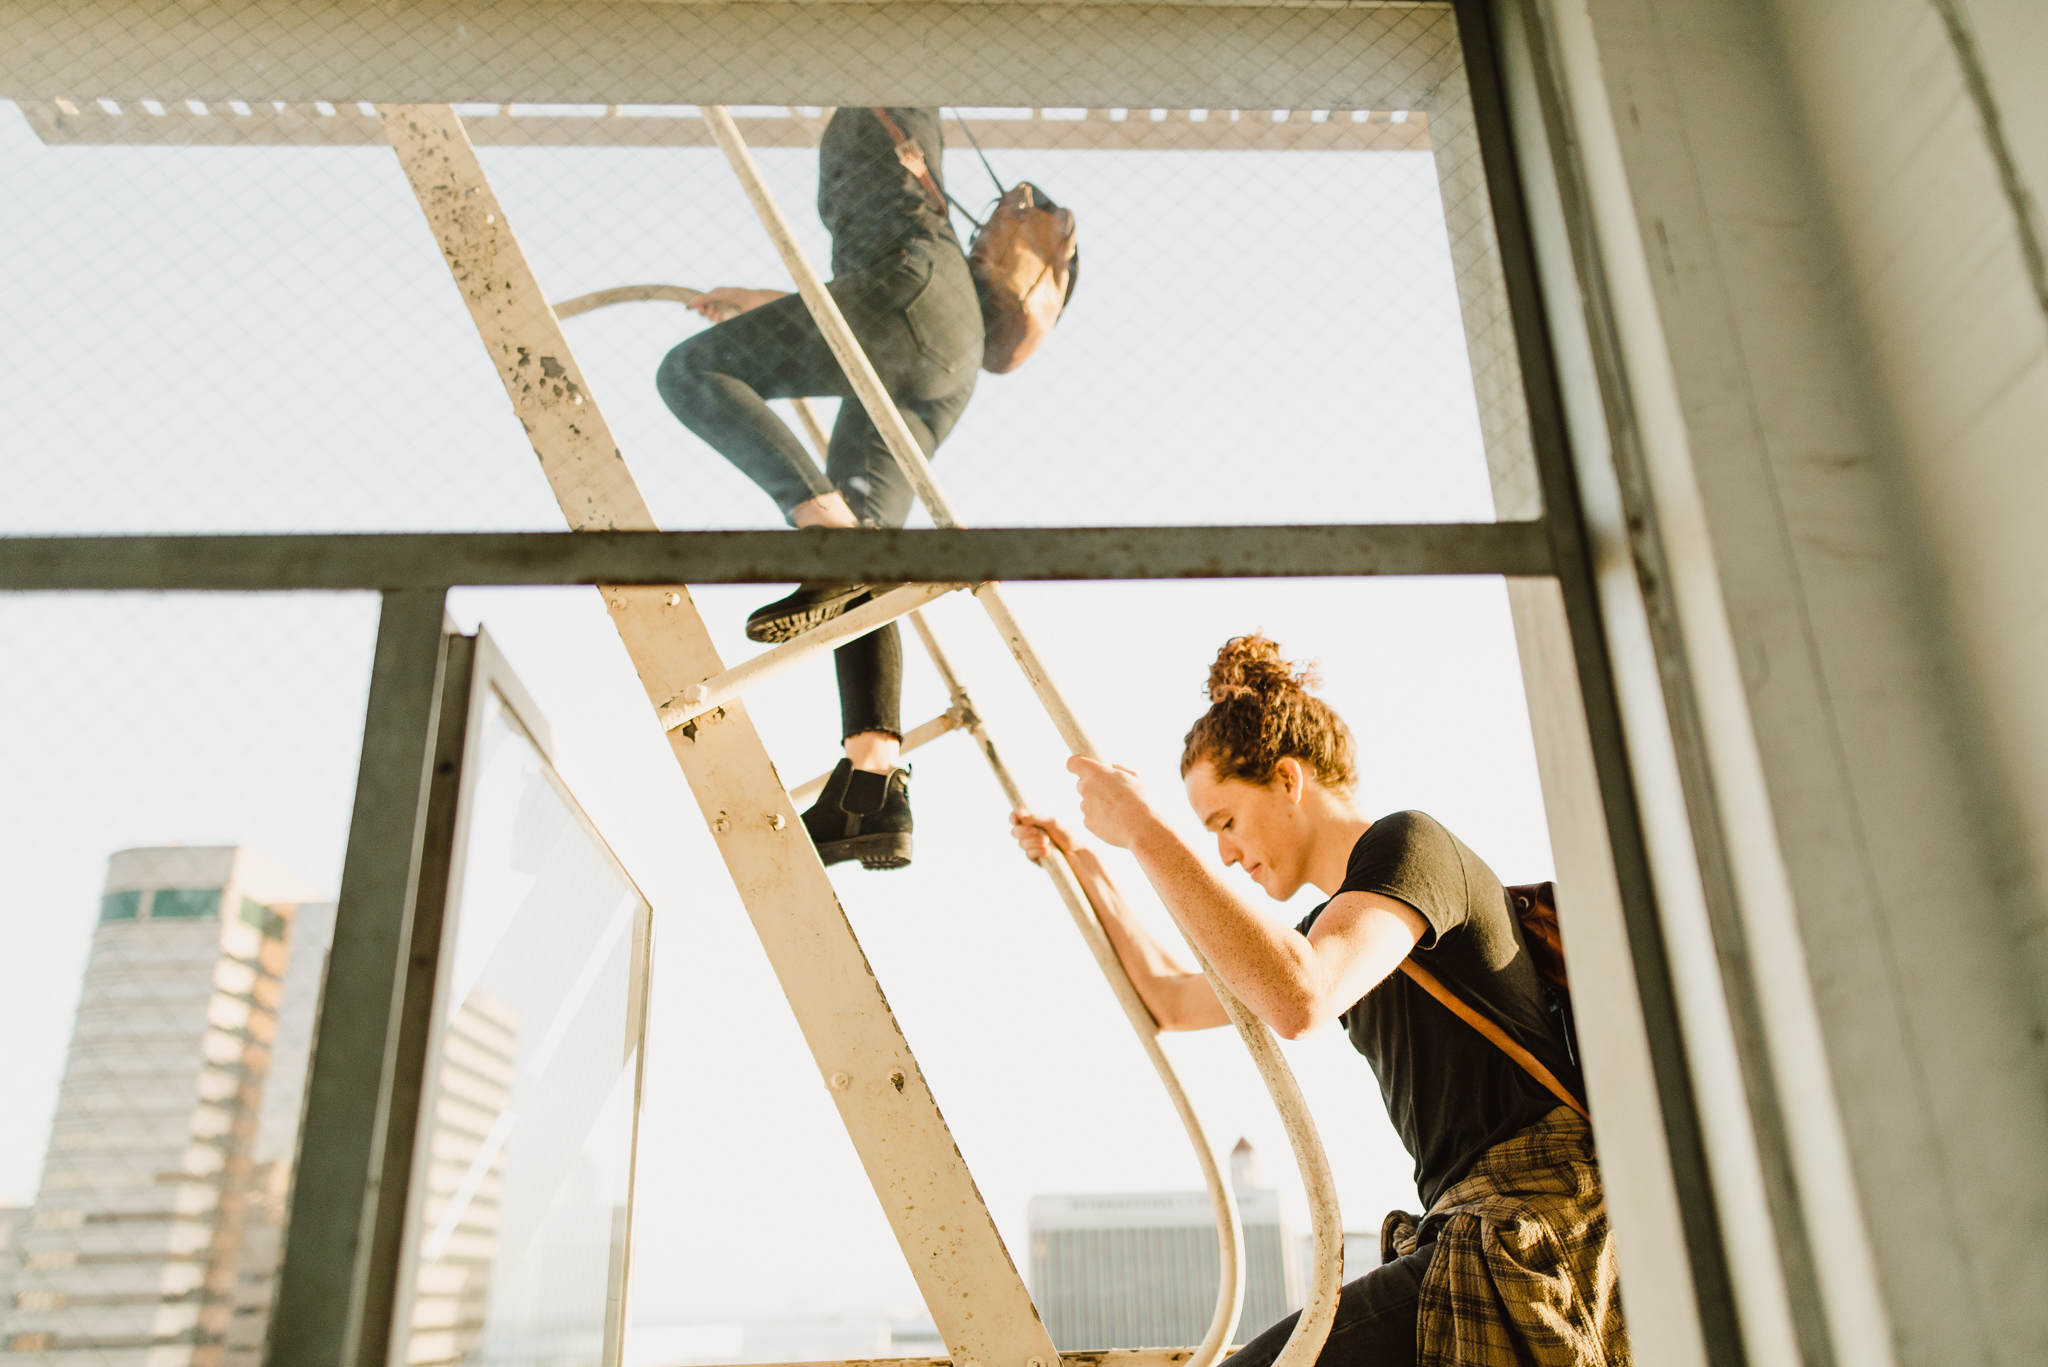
{"type": "Point", "coordinates": [1150, 836]}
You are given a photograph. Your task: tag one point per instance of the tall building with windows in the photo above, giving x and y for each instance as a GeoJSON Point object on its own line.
{"type": "Point", "coordinates": [277, 1132]}
{"type": "Point", "coordinates": [132, 1254]}
{"type": "Point", "coordinates": [1139, 1269]}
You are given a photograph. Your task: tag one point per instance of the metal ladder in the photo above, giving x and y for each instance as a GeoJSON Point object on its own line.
{"type": "Point", "coordinates": [970, 1285]}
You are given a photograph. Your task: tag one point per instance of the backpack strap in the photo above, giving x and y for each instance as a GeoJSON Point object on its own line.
{"type": "Point", "coordinates": [912, 157]}
{"type": "Point", "coordinates": [1427, 981]}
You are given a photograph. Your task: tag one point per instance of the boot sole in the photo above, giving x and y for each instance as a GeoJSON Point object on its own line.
{"type": "Point", "coordinates": [789, 626]}
{"type": "Point", "coordinates": [889, 850]}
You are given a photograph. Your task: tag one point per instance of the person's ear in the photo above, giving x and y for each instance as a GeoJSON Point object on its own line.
{"type": "Point", "coordinates": [1292, 780]}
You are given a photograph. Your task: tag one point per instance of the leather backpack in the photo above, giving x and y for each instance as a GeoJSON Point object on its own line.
{"type": "Point", "coordinates": [1024, 258]}
{"type": "Point", "coordinates": [1024, 261]}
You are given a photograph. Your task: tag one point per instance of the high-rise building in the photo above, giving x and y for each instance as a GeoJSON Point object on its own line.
{"type": "Point", "coordinates": [1139, 1269]}
{"type": "Point", "coordinates": [132, 1255]}
{"type": "Point", "coordinates": [465, 1138]}
{"type": "Point", "coordinates": [277, 1132]}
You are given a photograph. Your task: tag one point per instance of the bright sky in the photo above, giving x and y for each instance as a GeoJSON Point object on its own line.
{"type": "Point", "coordinates": [266, 339]}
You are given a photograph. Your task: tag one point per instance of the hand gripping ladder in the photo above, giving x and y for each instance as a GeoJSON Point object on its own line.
{"type": "Point", "coordinates": [969, 1283]}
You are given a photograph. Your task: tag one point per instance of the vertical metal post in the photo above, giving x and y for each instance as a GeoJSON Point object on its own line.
{"type": "Point", "coordinates": [1684, 1136]}
{"type": "Point", "coordinates": [347, 1210]}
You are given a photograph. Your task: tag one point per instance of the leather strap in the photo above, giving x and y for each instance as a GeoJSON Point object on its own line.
{"type": "Point", "coordinates": [912, 156]}
{"type": "Point", "coordinates": [1428, 982]}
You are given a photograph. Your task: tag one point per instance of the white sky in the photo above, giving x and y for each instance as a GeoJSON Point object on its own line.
{"type": "Point", "coordinates": [265, 339]}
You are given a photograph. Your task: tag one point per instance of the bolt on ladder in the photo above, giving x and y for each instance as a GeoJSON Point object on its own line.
{"type": "Point", "coordinates": [969, 1283]}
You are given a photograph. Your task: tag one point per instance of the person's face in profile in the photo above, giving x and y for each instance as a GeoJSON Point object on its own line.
{"type": "Point", "coordinates": [1260, 827]}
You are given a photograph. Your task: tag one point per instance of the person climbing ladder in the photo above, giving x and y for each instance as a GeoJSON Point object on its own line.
{"type": "Point", "coordinates": [1512, 1262]}
{"type": "Point", "coordinates": [907, 291]}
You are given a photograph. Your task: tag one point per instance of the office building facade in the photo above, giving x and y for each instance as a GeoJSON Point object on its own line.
{"type": "Point", "coordinates": [132, 1255]}
{"type": "Point", "coordinates": [1139, 1269]}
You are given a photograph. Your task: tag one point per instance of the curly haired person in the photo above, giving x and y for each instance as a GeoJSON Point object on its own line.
{"type": "Point", "coordinates": [1511, 1262]}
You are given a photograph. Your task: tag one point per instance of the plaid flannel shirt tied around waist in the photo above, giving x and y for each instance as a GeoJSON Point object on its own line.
{"type": "Point", "coordinates": [1524, 1272]}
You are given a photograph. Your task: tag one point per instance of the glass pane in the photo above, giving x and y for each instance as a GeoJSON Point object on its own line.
{"type": "Point", "coordinates": [227, 315]}
{"type": "Point", "coordinates": [516, 1248]}
{"type": "Point", "coordinates": [157, 1048]}
{"type": "Point", "coordinates": [184, 903]}
{"type": "Point", "coordinates": [1032, 1064]}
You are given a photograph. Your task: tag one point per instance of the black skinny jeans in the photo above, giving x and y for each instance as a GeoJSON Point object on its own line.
{"type": "Point", "coordinates": [916, 314]}
{"type": "Point", "coordinates": [1375, 1324]}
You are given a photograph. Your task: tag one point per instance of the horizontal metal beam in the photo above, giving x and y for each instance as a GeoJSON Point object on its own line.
{"type": "Point", "coordinates": [403, 560]}
{"type": "Point", "coordinates": [90, 121]}
{"type": "Point", "coordinates": [1142, 55]}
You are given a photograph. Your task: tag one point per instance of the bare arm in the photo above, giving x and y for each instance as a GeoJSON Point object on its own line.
{"type": "Point", "coordinates": [730, 301]}
{"type": "Point", "coordinates": [1295, 983]}
{"type": "Point", "coordinates": [1178, 997]}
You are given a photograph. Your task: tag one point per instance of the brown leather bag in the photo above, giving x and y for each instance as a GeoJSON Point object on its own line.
{"type": "Point", "coordinates": [1023, 259]}
{"type": "Point", "coordinates": [1535, 907]}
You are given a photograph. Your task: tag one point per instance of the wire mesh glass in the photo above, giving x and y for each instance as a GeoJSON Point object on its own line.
{"type": "Point", "coordinates": [226, 314]}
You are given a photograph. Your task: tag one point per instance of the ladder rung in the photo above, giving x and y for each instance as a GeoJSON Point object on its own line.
{"type": "Point", "coordinates": [720, 689]}
{"type": "Point", "coordinates": [922, 734]}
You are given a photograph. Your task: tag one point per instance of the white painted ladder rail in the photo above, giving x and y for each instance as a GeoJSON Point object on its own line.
{"type": "Point", "coordinates": [714, 692]}
{"type": "Point", "coordinates": [1326, 1278]}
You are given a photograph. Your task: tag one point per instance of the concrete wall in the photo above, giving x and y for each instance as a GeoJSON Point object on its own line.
{"type": "Point", "coordinates": [1824, 273]}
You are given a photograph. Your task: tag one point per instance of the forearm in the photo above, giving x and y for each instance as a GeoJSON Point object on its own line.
{"type": "Point", "coordinates": [1273, 970]}
{"type": "Point", "coordinates": [1178, 996]}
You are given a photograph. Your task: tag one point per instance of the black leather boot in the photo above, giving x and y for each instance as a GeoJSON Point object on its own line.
{"type": "Point", "coordinates": [812, 605]}
{"type": "Point", "coordinates": [862, 816]}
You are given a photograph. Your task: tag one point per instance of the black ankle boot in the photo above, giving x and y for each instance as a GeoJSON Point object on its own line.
{"type": "Point", "coordinates": [862, 816]}
{"type": "Point", "coordinates": [812, 605]}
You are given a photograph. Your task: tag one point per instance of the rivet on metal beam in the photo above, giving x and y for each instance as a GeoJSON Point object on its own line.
{"type": "Point", "coordinates": [776, 821]}
{"type": "Point", "coordinates": [840, 1082]}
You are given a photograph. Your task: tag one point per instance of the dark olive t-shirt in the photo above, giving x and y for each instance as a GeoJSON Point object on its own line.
{"type": "Point", "coordinates": [1451, 1092]}
{"type": "Point", "coordinates": [869, 201]}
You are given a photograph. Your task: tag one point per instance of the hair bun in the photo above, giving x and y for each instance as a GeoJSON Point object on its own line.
{"type": "Point", "coordinates": [1250, 666]}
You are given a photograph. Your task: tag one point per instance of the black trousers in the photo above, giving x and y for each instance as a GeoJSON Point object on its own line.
{"type": "Point", "coordinates": [916, 314]}
{"type": "Point", "coordinates": [1375, 1325]}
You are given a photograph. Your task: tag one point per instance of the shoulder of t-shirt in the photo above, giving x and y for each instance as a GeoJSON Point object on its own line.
{"type": "Point", "coordinates": [1385, 846]}
{"type": "Point", "coordinates": [1394, 832]}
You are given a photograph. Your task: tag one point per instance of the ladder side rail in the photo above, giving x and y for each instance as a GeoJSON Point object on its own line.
{"type": "Point", "coordinates": [969, 1282]}
{"type": "Point", "coordinates": [1230, 1250]}
{"type": "Point", "coordinates": [1313, 1328]}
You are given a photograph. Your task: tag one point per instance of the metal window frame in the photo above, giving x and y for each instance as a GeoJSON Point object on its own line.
{"type": "Point", "coordinates": [490, 674]}
{"type": "Point", "coordinates": [355, 1156]}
